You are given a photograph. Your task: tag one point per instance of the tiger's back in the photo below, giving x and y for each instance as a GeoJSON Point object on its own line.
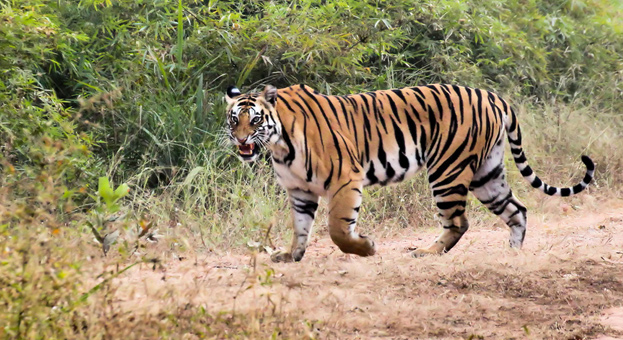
{"type": "Point", "coordinates": [391, 134]}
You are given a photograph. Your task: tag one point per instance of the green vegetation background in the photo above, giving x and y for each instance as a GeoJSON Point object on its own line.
{"type": "Point", "coordinates": [132, 90]}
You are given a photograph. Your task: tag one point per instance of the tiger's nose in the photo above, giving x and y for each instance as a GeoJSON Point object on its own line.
{"type": "Point", "coordinates": [242, 140]}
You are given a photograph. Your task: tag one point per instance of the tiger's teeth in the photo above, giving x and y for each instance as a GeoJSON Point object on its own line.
{"type": "Point", "coordinates": [246, 149]}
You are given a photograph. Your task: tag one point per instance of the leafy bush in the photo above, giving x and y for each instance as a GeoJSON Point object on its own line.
{"type": "Point", "coordinates": [164, 64]}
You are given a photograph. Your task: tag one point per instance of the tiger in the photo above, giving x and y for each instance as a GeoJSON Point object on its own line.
{"type": "Point", "coordinates": [333, 146]}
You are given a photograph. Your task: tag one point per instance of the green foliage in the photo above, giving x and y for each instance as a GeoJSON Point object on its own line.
{"type": "Point", "coordinates": [133, 89]}
{"type": "Point", "coordinates": [104, 214]}
{"type": "Point", "coordinates": [110, 196]}
{"type": "Point", "coordinates": [169, 61]}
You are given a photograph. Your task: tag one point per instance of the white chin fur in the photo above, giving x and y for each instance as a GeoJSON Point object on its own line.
{"type": "Point", "coordinates": [249, 160]}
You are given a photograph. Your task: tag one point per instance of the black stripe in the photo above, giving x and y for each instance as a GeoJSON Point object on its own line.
{"type": "Point", "coordinates": [404, 101]}
{"type": "Point", "coordinates": [246, 102]}
{"type": "Point", "coordinates": [439, 106]}
{"type": "Point", "coordinates": [353, 159]}
{"type": "Point", "coordinates": [520, 159]}
{"type": "Point", "coordinates": [419, 95]}
{"type": "Point", "coordinates": [469, 161]}
{"type": "Point", "coordinates": [433, 88]}
{"type": "Point", "coordinates": [328, 180]}
{"type": "Point", "coordinates": [390, 173]}
{"type": "Point", "coordinates": [452, 131]}
{"type": "Point", "coordinates": [348, 220]}
{"type": "Point", "coordinates": [457, 90]}
{"type": "Point", "coordinates": [333, 109]}
{"type": "Point", "coordinates": [422, 144]}
{"type": "Point", "coordinates": [305, 143]}
{"type": "Point", "coordinates": [458, 190]}
{"type": "Point", "coordinates": [494, 173]}
{"type": "Point", "coordinates": [370, 174]}
{"type": "Point", "coordinates": [382, 156]}
{"type": "Point", "coordinates": [488, 131]}
{"type": "Point", "coordinates": [588, 162]}
{"type": "Point", "coordinates": [367, 129]}
{"type": "Point", "coordinates": [379, 117]}
{"type": "Point", "coordinates": [536, 183]}
{"type": "Point", "coordinates": [501, 209]}
{"type": "Point", "coordinates": [344, 111]}
{"type": "Point", "coordinates": [458, 212]}
{"type": "Point", "coordinates": [527, 171]}
{"type": "Point", "coordinates": [366, 148]}
{"type": "Point", "coordinates": [310, 173]}
{"type": "Point", "coordinates": [450, 204]}
{"type": "Point", "coordinates": [403, 160]}
{"type": "Point", "coordinates": [515, 213]}
{"type": "Point", "coordinates": [342, 187]}
{"type": "Point", "coordinates": [415, 113]}
{"type": "Point", "coordinates": [513, 122]}
{"type": "Point", "coordinates": [495, 205]}
{"type": "Point", "coordinates": [331, 131]}
{"type": "Point", "coordinates": [399, 94]}
{"type": "Point", "coordinates": [311, 112]}
{"type": "Point", "coordinates": [479, 99]}
{"type": "Point", "coordinates": [285, 102]}
{"type": "Point", "coordinates": [448, 162]}
{"type": "Point", "coordinates": [550, 190]}
{"type": "Point", "coordinates": [450, 227]}
{"type": "Point", "coordinates": [291, 152]}
{"type": "Point", "coordinates": [412, 128]}
{"type": "Point", "coordinates": [305, 207]}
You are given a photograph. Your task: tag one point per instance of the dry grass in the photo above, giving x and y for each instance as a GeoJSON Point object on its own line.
{"type": "Point", "coordinates": [569, 271]}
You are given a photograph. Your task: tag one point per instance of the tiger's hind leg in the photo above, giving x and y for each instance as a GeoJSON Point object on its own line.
{"type": "Point", "coordinates": [450, 199]}
{"type": "Point", "coordinates": [492, 190]}
{"type": "Point", "coordinates": [344, 207]}
{"type": "Point", "coordinates": [455, 224]}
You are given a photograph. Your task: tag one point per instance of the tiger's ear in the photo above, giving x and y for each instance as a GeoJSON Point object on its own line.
{"type": "Point", "coordinates": [270, 94]}
{"type": "Point", "coordinates": [232, 93]}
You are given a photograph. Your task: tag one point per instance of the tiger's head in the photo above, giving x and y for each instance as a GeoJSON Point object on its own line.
{"type": "Point", "coordinates": [251, 120]}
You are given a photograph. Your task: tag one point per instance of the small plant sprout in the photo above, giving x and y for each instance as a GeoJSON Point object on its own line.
{"type": "Point", "coordinates": [106, 211]}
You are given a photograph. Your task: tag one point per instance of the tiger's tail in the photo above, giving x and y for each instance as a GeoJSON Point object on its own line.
{"type": "Point", "coordinates": [514, 138]}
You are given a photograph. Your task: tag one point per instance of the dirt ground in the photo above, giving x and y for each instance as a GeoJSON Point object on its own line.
{"type": "Point", "coordinates": [566, 283]}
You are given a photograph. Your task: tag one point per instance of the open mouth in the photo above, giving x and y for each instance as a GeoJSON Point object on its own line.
{"type": "Point", "coordinates": [247, 150]}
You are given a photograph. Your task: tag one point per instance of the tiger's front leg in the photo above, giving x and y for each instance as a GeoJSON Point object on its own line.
{"type": "Point", "coordinates": [304, 205]}
{"type": "Point", "coordinates": [344, 207]}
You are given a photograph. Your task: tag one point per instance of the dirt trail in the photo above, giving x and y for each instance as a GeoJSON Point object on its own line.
{"type": "Point", "coordinates": [566, 283]}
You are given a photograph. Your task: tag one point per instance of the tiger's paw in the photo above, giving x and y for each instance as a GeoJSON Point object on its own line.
{"type": "Point", "coordinates": [362, 245]}
{"type": "Point", "coordinates": [369, 248]}
{"type": "Point", "coordinates": [282, 256]}
{"type": "Point", "coordinates": [421, 252]}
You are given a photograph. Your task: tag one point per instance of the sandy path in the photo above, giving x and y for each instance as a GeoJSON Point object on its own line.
{"type": "Point", "coordinates": [567, 283]}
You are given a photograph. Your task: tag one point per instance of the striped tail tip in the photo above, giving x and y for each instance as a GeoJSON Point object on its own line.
{"type": "Point", "coordinates": [590, 170]}
{"type": "Point", "coordinates": [590, 166]}
{"type": "Point", "coordinates": [536, 182]}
